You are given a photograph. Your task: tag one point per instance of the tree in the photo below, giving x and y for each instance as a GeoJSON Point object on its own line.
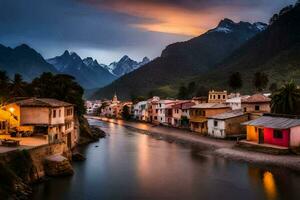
{"type": "Point", "coordinates": [126, 113]}
{"type": "Point", "coordinates": [286, 100]}
{"type": "Point", "coordinates": [260, 81]}
{"type": "Point", "coordinates": [235, 81]}
{"type": "Point", "coordinates": [18, 87]}
{"type": "Point", "coordinates": [4, 87]}
{"type": "Point", "coordinates": [62, 87]}
{"type": "Point", "coordinates": [191, 88]}
{"type": "Point", "coordinates": [273, 87]}
{"type": "Point", "coordinates": [202, 91]}
{"type": "Point", "coordinates": [182, 93]}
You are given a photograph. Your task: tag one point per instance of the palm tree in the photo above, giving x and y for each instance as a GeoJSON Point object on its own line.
{"type": "Point", "coordinates": [286, 100]}
{"type": "Point", "coordinates": [18, 87]}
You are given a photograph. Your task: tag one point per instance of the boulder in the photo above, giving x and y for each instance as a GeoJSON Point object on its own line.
{"type": "Point", "coordinates": [58, 165]}
{"type": "Point", "coordinates": [76, 156]}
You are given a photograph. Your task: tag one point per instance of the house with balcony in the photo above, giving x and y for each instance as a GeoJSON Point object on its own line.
{"type": "Point", "coordinates": [152, 109]}
{"type": "Point", "coordinates": [161, 110]}
{"type": "Point", "coordinates": [199, 115]}
{"type": "Point", "coordinates": [48, 118]}
{"type": "Point", "coordinates": [227, 124]}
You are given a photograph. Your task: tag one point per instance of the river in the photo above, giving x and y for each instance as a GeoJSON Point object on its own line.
{"type": "Point", "coordinates": [134, 166]}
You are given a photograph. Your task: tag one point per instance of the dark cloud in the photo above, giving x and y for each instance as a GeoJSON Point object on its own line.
{"type": "Point", "coordinates": [107, 29]}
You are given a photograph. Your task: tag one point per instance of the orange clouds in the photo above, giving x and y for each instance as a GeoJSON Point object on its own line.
{"type": "Point", "coordinates": [164, 18]}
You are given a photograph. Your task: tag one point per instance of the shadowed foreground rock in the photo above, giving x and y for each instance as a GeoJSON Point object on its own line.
{"type": "Point", "coordinates": [57, 165]}
{"type": "Point", "coordinates": [76, 156]}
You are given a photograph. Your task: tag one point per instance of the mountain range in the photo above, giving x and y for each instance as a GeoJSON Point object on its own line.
{"type": "Point", "coordinates": [183, 60]}
{"type": "Point", "coordinates": [88, 72]}
{"type": "Point", "coordinates": [23, 60]}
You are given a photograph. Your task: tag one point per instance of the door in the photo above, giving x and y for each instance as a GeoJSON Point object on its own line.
{"type": "Point", "coordinates": [260, 136]}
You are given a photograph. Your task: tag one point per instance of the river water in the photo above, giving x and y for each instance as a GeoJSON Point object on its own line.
{"type": "Point", "coordinates": [135, 166]}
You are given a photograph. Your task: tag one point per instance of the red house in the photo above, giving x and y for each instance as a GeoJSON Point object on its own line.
{"type": "Point", "coordinates": [274, 130]}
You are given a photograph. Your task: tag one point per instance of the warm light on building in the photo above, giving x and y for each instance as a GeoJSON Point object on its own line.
{"type": "Point", "coordinates": [11, 109]}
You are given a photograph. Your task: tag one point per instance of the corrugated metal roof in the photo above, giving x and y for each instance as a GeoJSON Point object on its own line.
{"type": "Point", "coordinates": [228, 115]}
{"type": "Point", "coordinates": [274, 122]}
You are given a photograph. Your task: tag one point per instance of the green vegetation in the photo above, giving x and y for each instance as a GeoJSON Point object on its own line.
{"type": "Point", "coordinates": [260, 81]}
{"type": "Point", "coordinates": [286, 100]}
{"type": "Point", "coordinates": [126, 113]}
{"type": "Point", "coordinates": [60, 86]}
{"type": "Point", "coordinates": [235, 81]}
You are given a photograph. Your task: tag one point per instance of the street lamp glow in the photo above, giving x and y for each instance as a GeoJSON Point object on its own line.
{"type": "Point", "coordinates": [11, 109]}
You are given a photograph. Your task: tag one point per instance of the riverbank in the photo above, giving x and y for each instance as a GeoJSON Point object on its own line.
{"type": "Point", "coordinates": [223, 148]}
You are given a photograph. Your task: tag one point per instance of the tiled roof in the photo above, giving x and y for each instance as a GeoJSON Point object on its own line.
{"type": "Point", "coordinates": [228, 115]}
{"type": "Point", "coordinates": [211, 105]}
{"type": "Point", "coordinates": [42, 102]}
{"type": "Point", "coordinates": [256, 98]}
{"type": "Point", "coordinates": [274, 122]}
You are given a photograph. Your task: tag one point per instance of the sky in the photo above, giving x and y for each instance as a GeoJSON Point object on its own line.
{"type": "Point", "coordinates": [108, 29]}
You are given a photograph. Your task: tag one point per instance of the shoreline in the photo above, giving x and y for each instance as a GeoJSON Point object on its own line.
{"type": "Point", "coordinates": [218, 147]}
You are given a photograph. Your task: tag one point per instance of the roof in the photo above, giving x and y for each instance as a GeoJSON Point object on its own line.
{"type": "Point", "coordinates": [256, 98]}
{"type": "Point", "coordinates": [274, 122]}
{"type": "Point", "coordinates": [183, 104]}
{"type": "Point", "coordinates": [228, 115]}
{"type": "Point", "coordinates": [210, 105]}
{"type": "Point", "coordinates": [42, 102]}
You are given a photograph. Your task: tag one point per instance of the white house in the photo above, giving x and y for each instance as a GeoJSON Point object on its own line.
{"type": "Point", "coordinates": [227, 124]}
{"type": "Point", "coordinates": [140, 111]}
{"type": "Point", "coordinates": [235, 101]}
{"type": "Point", "coordinates": [161, 110]}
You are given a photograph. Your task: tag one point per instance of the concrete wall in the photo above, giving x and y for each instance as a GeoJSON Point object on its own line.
{"type": "Point", "coordinates": [295, 137]}
{"type": "Point", "coordinates": [216, 131]}
{"type": "Point", "coordinates": [250, 107]}
{"type": "Point", "coordinates": [270, 139]}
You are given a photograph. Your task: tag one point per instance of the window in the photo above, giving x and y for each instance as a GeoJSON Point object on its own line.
{"type": "Point", "coordinates": [203, 113]}
{"type": "Point", "coordinates": [54, 113]}
{"type": "Point", "coordinates": [59, 113]}
{"type": "Point", "coordinates": [219, 96]}
{"type": "Point", "coordinates": [257, 108]}
{"type": "Point", "coordinates": [224, 97]}
{"type": "Point", "coordinates": [215, 123]}
{"type": "Point", "coordinates": [245, 109]}
{"type": "Point", "coordinates": [277, 134]}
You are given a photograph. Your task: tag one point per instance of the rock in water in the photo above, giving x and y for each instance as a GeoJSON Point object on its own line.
{"type": "Point", "coordinates": [77, 157]}
{"type": "Point", "coordinates": [57, 165]}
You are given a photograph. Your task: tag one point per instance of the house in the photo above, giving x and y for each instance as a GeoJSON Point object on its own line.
{"type": "Point", "coordinates": [152, 109]}
{"type": "Point", "coordinates": [256, 105]}
{"type": "Point", "coordinates": [181, 114]}
{"type": "Point", "coordinates": [140, 111]}
{"type": "Point", "coordinates": [275, 130]}
{"type": "Point", "coordinates": [199, 114]}
{"type": "Point", "coordinates": [92, 106]}
{"type": "Point", "coordinates": [217, 96]}
{"type": "Point", "coordinates": [50, 118]}
{"type": "Point", "coordinates": [227, 124]}
{"type": "Point", "coordinates": [235, 101]}
{"type": "Point", "coordinates": [161, 110]}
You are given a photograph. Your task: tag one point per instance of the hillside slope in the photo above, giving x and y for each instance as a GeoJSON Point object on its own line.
{"type": "Point", "coordinates": [181, 60]}
{"type": "Point", "coordinates": [275, 51]}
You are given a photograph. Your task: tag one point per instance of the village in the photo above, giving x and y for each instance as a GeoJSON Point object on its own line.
{"type": "Point", "coordinates": [243, 118]}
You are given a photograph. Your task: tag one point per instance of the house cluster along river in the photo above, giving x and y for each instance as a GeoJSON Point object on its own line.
{"type": "Point", "coordinates": [130, 165]}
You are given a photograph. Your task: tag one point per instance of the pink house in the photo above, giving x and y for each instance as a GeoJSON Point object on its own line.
{"type": "Point", "coordinates": [274, 130]}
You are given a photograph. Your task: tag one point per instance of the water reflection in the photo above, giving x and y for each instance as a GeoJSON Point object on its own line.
{"type": "Point", "coordinates": [269, 185]}
{"type": "Point", "coordinates": [134, 166]}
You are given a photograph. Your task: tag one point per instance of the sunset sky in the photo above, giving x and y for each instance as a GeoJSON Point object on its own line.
{"type": "Point", "coordinates": [109, 29]}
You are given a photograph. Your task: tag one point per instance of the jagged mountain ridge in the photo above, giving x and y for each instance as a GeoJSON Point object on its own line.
{"type": "Point", "coordinates": [23, 60]}
{"type": "Point", "coordinates": [184, 59]}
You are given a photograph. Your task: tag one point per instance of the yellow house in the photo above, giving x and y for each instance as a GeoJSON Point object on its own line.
{"type": "Point", "coordinates": [8, 120]}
